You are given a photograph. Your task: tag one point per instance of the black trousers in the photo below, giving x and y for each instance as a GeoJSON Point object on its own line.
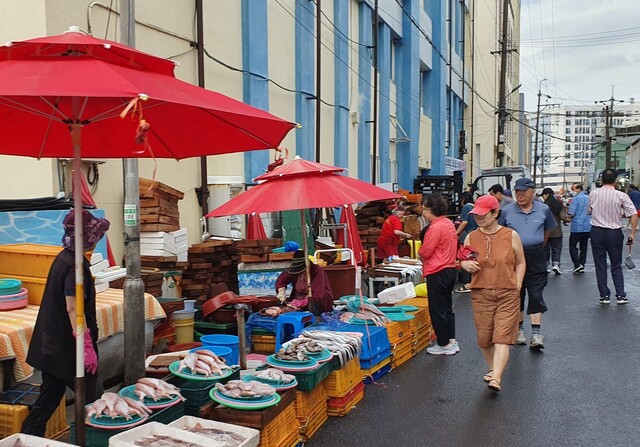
{"type": "Point", "coordinates": [440, 287]}
{"type": "Point", "coordinates": [51, 392]}
{"type": "Point", "coordinates": [578, 243]}
{"type": "Point", "coordinates": [535, 280]}
{"type": "Point", "coordinates": [608, 242]}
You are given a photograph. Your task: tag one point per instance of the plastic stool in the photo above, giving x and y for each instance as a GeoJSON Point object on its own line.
{"type": "Point", "coordinates": [290, 324]}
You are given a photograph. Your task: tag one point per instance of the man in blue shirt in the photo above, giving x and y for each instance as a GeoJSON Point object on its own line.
{"type": "Point", "coordinates": [533, 221]}
{"type": "Point", "coordinates": [580, 227]}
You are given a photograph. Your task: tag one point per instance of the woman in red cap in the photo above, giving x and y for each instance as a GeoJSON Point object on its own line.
{"type": "Point", "coordinates": [497, 273]}
{"type": "Point", "coordinates": [53, 343]}
{"type": "Point", "coordinates": [391, 233]}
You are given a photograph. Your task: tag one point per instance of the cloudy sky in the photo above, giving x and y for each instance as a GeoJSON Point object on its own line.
{"type": "Point", "coordinates": [581, 47]}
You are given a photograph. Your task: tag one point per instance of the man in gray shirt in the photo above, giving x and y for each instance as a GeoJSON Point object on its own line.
{"type": "Point", "coordinates": [497, 191]}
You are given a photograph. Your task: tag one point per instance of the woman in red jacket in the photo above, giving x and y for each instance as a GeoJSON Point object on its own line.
{"type": "Point", "coordinates": [438, 253]}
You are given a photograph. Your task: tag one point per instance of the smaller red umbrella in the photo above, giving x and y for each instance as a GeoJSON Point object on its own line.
{"type": "Point", "coordinates": [255, 229]}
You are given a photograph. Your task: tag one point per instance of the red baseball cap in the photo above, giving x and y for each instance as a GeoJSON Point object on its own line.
{"type": "Point", "coordinates": [484, 204]}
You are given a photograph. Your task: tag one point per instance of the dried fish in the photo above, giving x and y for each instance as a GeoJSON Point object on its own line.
{"type": "Point", "coordinates": [274, 374]}
{"type": "Point", "coordinates": [229, 438]}
{"type": "Point", "coordinates": [239, 388]}
{"type": "Point", "coordinates": [164, 441]}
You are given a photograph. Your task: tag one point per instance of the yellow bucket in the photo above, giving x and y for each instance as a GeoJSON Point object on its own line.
{"type": "Point", "coordinates": [184, 330]}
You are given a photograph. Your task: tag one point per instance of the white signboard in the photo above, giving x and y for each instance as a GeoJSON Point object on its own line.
{"type": "Point", "coordinates": [454, 164]}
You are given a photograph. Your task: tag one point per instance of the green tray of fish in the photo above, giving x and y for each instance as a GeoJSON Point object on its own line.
{"type": "Point", "coordinates": [168, 414]}
{"type": "Point", "coordinates": [196, 392]}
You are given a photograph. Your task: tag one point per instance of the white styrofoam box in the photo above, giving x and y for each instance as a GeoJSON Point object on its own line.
{"type": "Point", "coordinates": [129, 437]}
{"type": "Point", "coordinates": [110, 274]}
{"type": "Point", "coordinates": [96, 257]}
{"type": "Point", "coordinates": [155, 252]}
{"type": "Point", "coordinates": [397, 293]}
{"type": "Point", "coordinates": [181, 232]}
{"type": "Point", "coordinates": [162, 245]}
{"type": "Point", "coordinates": [99, 266]}
{"type": "Point", "coordinates": [252, 436]}
{"type": "Point", "coordinates": [31, 441]}
{"type": "Point", "coordinates": [101, 287]}
{"type": "Point", "coordinates": [183, 257]}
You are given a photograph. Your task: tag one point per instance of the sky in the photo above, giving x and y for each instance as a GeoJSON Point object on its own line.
{"type": "Point", "coordinates": [581, 47]}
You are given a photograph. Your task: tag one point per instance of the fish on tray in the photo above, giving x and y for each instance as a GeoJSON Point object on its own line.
{"type": "Point", "coordinates": [164, 441]}
{"type": "Point", "coordinates": [238, 389]}
{"type": "Point", "coordinates": [204, 362]}
{"type": "Point", "coordinates": [110, 405]}
{"type": "Point", "coordinates": [155, 389]}
{"type": "Point", "coordinates": [228, 438]}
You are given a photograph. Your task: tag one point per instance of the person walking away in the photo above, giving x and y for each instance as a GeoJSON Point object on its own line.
{"type": "Point", "coordinates": [438, 253]}
{"type": "Point", "coordinates": [533, 221]}
{"type": "Point", "coordinates": [608, 207]}
{"type": "Point", "coordinates": [53, 343]}
{"type": "Point", "coordinates": [553, 247]}
{"type": "Point", "coordinates": [634, 195]}
{"type": "Point", "coordinates": [498, 192]}
{"type": "Point", "coordinates": [391, 233]}
{"type": "Point", "coordinates": [580, 227]}
{"type": "Point", "coordinates": [497, 275]}
{"type": "Point", "coordinates": [321, 293]}
{"type": "Point", "coordinates": [467, 224]}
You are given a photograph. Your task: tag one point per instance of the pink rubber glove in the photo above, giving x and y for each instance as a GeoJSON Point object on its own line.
{"type": "Point", "coordinates": [90, 356]}
{"type": "Point", "coordinates": [299, 303]}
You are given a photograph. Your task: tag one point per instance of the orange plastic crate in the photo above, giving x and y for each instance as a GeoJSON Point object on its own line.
{"type": "Point", "coordinates": [265, 344]}
{"type": "Point", "coordinates": [341, 381]}
{"type": "Point", "coordinates": [398, 330]}
{"type": "Point", "coordinates": [279, 431]}
{"type": "Point", "coordinates": [418, 302]}
{"type": "Point", "coordinates": [12, 417]}
{"type": "Point", "coordinates": [27, 259]}
{"type": "Point", "coordinates": [402, 358]}
{"type": "Point", "coordinates": [307, 401]}
{"type": "Point", "coordinates": [315, 420]}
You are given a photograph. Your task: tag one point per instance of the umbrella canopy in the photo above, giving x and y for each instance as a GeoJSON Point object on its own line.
{"type": "Point", "coordinates": [302, 184]}
{"type": "Point", "coordinates": [348, 216]}
{"type": "Point", "coordinates": [41, 80]}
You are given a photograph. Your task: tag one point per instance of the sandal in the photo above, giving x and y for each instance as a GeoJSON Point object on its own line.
{"type": "Point", "coordinates": [487, 377]}
{"type": "Point", "coordinates": [494, 385]}
{"type": "Point", "coordinates": [462, 289]}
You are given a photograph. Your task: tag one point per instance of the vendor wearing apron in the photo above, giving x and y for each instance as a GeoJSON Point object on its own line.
{"type": "Point", "coordinates": [53, 344]}
{"type": "Point", "coordinates": [321, 294]}
{"type": "Point", "coordinates": [390, 235]}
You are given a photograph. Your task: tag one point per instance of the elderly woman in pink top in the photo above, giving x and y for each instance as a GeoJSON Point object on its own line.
{"type": "Point", "coordinates": [438, 253]}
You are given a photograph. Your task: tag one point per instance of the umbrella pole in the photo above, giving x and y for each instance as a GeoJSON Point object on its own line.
{"type": "Point", "coordinates": [80, 394]}
{"type": "Point", "coordinates": [307, 267]}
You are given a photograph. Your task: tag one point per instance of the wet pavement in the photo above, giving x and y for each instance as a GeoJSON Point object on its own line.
{"type": "Point", "coordinates": [582, 389]}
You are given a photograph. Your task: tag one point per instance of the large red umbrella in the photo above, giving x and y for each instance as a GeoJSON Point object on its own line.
{"type": "Point", "coordinates": [348, 217]}
{"type": "Point", "coordinates": [299, 185]}
{"type": "Point", "coordinates": [62, 97]}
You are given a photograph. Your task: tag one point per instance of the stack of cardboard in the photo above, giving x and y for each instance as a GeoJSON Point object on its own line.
{"type": "Point", "coordinates": [211, 262]}
{"type": "Point", "coordinates": [163, 244]}
{"type": "Point", "coordinates": [158, 206]}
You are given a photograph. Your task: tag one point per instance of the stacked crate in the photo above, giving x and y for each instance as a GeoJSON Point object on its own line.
{"type": "Point", "coordinates": [375, 357]}
{"type": "Point", "coordinates": [399, 333]}
{"type": "Point", "coordinates": [210, 262]}
{"type": "Point", "coordinates": [283, 430]}
{"type": "Point", "coordinates": [158, 206]}
{"type": "Point", "coordinates": [421, 330]}
{"type": "Point", "coordinates": [344, 388]}
{"type": "Point", "coordinates": [259, 250]}
{"type": "Point", "coordinates": [311, 411]}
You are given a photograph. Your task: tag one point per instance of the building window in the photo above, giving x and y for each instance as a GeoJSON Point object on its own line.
{"type": "Point", "coordinates": [576, 164]}
{"type": "Point", "coordinates": [567, 147]}
{"type": "Point", "coordinates": [567, 122]}
{"type": "Point", "coordinates": [568, 130]}
{"type": "Point", "coordinates": [567, 164]}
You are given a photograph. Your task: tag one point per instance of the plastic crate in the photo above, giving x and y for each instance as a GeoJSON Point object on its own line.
{"type": "Point", "coordinates": [341, 381]}
{"type": "Point", "coordinates": [307, 401]}
{"type": "Point", "coordinates": [31, 441]}
{"type": "Point", "coordinates": [251, 435]}
{"type": "Point", "coordinates": [95, 437]}
{"type": "Point", "coordinates": [208, 327]}
{"type": "Point", "coordinates": [34, 285]}
{"type": "Point", "coordinates": [308, 380]}
{"type": "Point", "coordinates": [374, 339]}
{"type": "Point", "coordinates": [418, 302]}
{"type": "Point", "coordinates": [343, 405]}
{"type": "Point", "coordinates": [279, 431]}
{"type": "Point", "coordinates": [402, 358]}
{"type": "Point", "coordinates": [376, 375]}
{"type": "Point", "coordinates": [12, 417]}
{"type": "Point", "coordinates": [28, 259]}
{"type": "Point", "coordinates": [129, 437]}
{"type": "Point", "coordinates": [313, 422]}
{"type": "Point", "coordinates": [263, 344]}
{"type": "Point", "coordinates": [402, 346]}
{"type": "Point", "coordinates": [169, 414]}
{"type": "Point", "coordinates": [398, 330]}
{"type": "Point", "coordinates": [196, 392]}
{"type": "Point", "coordinates": [372, 362]}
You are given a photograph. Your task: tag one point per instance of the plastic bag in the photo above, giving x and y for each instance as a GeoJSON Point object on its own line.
{"type": "Point", "coordinates": [628, 262]}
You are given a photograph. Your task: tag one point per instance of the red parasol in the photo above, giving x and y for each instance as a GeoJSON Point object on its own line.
{"type": "Point", "coordinates": [62, 97]}
{"type": "Point", "coordinates": [348, 216]}
{"type": "Point", "coordinates": [304, 185]}
{"type": "Point", "coordinates": [255, 229]}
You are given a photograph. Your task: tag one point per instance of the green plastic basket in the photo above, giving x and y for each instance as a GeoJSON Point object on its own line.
{"type": "Point", "coordinates": [169, 414]}
{"type": "Point", "coordinates": [197, 391]}
{"type": "Point", "coordinates": [308, 380]}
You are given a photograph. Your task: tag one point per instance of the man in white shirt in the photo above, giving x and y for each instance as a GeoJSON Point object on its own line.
{"type": "Point", "coordinates": [608, 207]}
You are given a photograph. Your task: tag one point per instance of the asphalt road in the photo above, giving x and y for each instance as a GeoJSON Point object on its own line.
{"type": "Point", "coordinates": [582, 389]}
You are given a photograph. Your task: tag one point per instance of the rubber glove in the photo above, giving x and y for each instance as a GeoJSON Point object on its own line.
{"type": "Point", "coordinates": [281, 296]}
{"type": "Point", "coordinates": [90, 356]}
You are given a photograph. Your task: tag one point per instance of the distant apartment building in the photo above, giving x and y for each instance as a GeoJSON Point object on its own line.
{"type": "Point", "coordinates": [571, 141]}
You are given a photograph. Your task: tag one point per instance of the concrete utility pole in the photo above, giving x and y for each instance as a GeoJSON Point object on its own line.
{"type": "Point", "coordinates": [133, 286]}
{"type": "Point", "coordinates": [608, 125]}
{"type": "Point", "coordinates": [502, 115]}
{"type": "Point", "coordinates": [318, 73]}
{"type": "Point", "coordinates": [374, 145]}
{"type": "Point", "coordinates": [535, 146]}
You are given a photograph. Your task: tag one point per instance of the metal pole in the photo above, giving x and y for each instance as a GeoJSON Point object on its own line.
{"type": "Point", "coordinates": [318, 73]}
{"type": "Point", "coordinates": [473, 86]}
{"type": "Point", "coordinates": [134, 339]}
{"type": "Point", "coordinates": [374, 145]}
{"type": "Point", "coordinates": [607, 136]}
{"type": "Point", "coordinates": [204, 192]}
{"type": "Point", "coordinates": [535, 146]}
{"type": "Point", "coordinates": [503, 77]}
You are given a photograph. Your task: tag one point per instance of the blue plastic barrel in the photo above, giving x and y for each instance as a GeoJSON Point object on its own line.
{"type": "Point", "coordinates": [227, 341]}
{"type": "Point", "coordinates": [221, 351]}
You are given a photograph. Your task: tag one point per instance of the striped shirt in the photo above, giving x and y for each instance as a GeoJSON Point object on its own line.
{"type": "Point", "coordinates": [608, 206]}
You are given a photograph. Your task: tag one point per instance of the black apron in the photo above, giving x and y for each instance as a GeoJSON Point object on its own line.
{"type": "Point", "coordinates": [52, 349]}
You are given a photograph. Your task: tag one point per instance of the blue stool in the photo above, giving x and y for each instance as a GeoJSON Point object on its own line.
{"type": "Point", "coordinates": [289, 326]}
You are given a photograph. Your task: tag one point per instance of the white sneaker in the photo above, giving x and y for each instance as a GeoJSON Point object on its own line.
{"type": "Point", "coordinates": [556, 270]}
{"type": "Point", "coordinates": [521, 339]}
{"type": "Point", "coordinates": [436, 349]}
{"type": "Point", "coordinates": [455, 345]}
{"type": "Point", "coordinates": [536, 342]}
